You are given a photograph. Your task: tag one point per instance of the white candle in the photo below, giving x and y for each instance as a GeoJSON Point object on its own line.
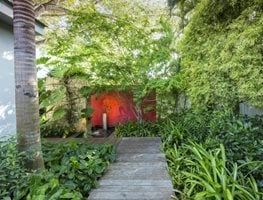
{"type": "Point", "coordinates": [104, 121]}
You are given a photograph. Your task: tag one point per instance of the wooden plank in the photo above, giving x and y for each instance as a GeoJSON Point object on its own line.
{"type": "Point", "coordinates": [138, 149]}
{"type": "Point", "coordinates": [127, 183]}
{"type": "Point", "coordinates": [140, 165]}
{"type": "Point", "coordinates": [124, 195]}
{"type": "Point", "coordinates": [147, 141]}
{"type": "Point", "coordinates": [139, 173]}
{"type": "Point", "coordinates": [141, 139]}
{"type": "Point", "coordinates": [135, 188]}
{"type": "Point", "coordinates": [140, 157]}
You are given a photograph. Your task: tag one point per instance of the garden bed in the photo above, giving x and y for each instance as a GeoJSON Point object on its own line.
{"type": "Point", "coordinates": [210, 155]}
{"type": "Point", "coordinates": [72, 170]}
{"type": "Point", "coordinates": [112, 139]}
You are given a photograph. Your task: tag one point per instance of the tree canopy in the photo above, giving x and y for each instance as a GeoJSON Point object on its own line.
{"type": "Point", "coordinates": [209, 50]}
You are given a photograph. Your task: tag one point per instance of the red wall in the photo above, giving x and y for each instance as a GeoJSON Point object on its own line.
{"type": "Point", "coordinates": [119, 107]}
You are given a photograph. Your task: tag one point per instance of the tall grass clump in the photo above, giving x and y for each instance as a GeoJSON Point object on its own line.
{"type": "Point", "coordinates": [198, 173]}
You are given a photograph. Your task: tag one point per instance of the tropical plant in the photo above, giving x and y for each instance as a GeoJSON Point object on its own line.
{"type": "Point", "coordinates": [137, 129]}
{"type": "Point", "coordinates": [78, 166]}
{"type": "Point", "coordinates": [240, 135]}
{"type": "Point", "coordinates": [12, 172]}
{"type": "Point", "coordinates": [207, 174]}
{"type": "Point", "coordinates": [27, 111]}
{"type": "Point", "coordinates": [53, 129]}
{"type": "Point", "coordinates": [46, 185]}
{"type": "Point", "coordinates": [72, 170]}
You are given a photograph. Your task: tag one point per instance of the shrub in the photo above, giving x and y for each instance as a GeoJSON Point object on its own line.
{"type": "Point", "coordinates": [78, 166]}
{"type": "Point", "coordinates": [51, 129]}
{"type": "Point", "coordinates": [137, 129]}
{"type": "Point", "coordinates": [72, 170]}
{"type": "Point", "coordinates": [12, 172]}
{"type": "Point", "coordinates": [240, 135]}
{"type": "Point", "coordinates": [46, 185]}
{"type": "Point", "coordinates": [207, 174]}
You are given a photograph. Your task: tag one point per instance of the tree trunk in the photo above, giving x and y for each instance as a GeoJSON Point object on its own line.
{"type": "Point", "coordinates": [72, 110]}
{"type": "Point", "coordinates": [87, 118]}
{"type": "Point", "coordinates": [27, 111]}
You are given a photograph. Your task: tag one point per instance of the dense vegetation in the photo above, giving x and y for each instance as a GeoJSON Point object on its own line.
{"type": "Point", "coordinates": [72, 170]}
{"type": "Point", "coordinates": [210, 155]}
{"type": "Point", "coordinates": [208, 52]}
{"type": "Point", "coordinates": [96, 52]}
{"type": "Point", "coordinates": [221, 51]}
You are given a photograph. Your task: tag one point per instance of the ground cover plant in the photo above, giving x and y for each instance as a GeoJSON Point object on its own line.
{"type": "Point", "coordinates": [212, 155]}
{"type": "Point", "coordinates": [134, 129]}
{"type": "Point", "coordinates": [72, 170]}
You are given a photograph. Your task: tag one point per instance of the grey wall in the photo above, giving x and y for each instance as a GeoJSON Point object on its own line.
{"type": "Point", "coordinates": [7, 82]}
{"type": "Point", "coordinates": [249, 110]}
{"type": "Point", "coordinates": [244, 108]}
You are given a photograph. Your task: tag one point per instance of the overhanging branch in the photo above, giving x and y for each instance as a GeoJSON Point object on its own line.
{"type": "Point", "coordinates": [52, 5]}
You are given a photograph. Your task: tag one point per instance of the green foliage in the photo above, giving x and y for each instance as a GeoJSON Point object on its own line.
{"type": "Point", "coordinates": [53, 129]}
{"type": "Point", "coordinates": [58, 106]}
{"type": "Point", "coordinates": [12, 175]}
{"type": "Point", "coordinates": [242, 139]}
{"type": "Point", "coordinates": [241, 135]}
{"type": "Point", "coordinates": [71, 171]}
{"type": "Point", "coordinates": [135, 129]}
{"type": "Point", "coordinates": [221, 53]}
{"type": "Point", "coordinates": [211, 155]}
{"type": "Point", "coordinates": [104, 50]}
{"type": "Point", "coordinates": [207, 174]}
{"type": "Point", "coordinates": [60, 95]}
{"type": "Point", "coordinates": [112, 50]}
{"type": "Point", "coordinates": [87, 112]}
{"type": "Point", "coordinates": [46, 185]}
{"type": "Point", "coordinates": [78, 166]}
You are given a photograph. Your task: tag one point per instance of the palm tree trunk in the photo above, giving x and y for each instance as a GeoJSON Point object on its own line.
{"type": "Point", "coordinates": [27, 111]}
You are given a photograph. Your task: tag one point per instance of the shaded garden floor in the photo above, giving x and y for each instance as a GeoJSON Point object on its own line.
{"type": "Point", "coordinates": [93, 140]}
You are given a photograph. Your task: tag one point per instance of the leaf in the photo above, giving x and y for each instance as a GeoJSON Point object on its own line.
{"type": "Point", "coordinates": [59, 114]}
{"type": "Point", "coordinates": [42, 60]}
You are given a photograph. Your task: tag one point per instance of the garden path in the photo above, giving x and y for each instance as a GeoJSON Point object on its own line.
{"type": "Point", "coordinates": [140, 172]}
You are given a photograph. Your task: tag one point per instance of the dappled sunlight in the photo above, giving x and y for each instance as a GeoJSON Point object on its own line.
{"type": "Point", "coordinates": [8, 55]}
{"type": "Point", "coordinates": [7, 119]}
{"type": "Point", "coordinates": [4, 110]}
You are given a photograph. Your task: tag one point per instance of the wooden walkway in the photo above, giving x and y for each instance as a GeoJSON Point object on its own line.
{"type": "Point", "coordinates": [139, 173]}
